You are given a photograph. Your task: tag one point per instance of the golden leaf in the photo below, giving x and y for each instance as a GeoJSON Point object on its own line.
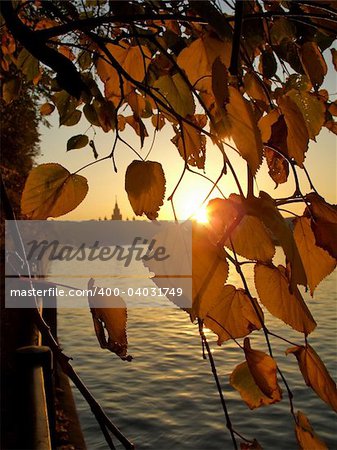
{"type": "Point", "coordinates": [312, 109]}
{"type": "Point", "coordinates": [264, 371]}
{"type": "Point", "coordinates": [191, 143]}
{"type": "Point", "coordinates": [298, 136]}
{"type": "Point", "coordinates": [133, 59]}
{"type": "Point", "coordinates": [176, 92]}
{"type": "Point", "coordinates": [253, 86]}
{"type": "Point", "coordinates": [317, 262]}
{"type": "Point", "coordinates": [145, 186]}
{"type": "Point", "coordinates": [197, 59]}
{"type": "Point", "coordinates": [313, 63]}
{"type": "Point", "coordinates": [209, 272]}
{"type": "Point", "coordinates": [264, 208]}
{"type": "Point", "coordinates": [272, 286]}
{"type": "Point", "coordinates": [109, 315]}
{"type": "Point", "coordinates": [234, 315]}
{"type": "Point", "coordinates": [242, 380]}
{"type": "Point", "coordinates": [266, 122]}
{"type": "Point", "coordinates": [247, 234]}
{"type": "Point", "coordinates": [244, 129]}
{"type": "Point", "coordinates": [305, 435]}
{"type": "Point", "coordinates": [315, 374]}
{"type": "Point", "coordinates": [51, 191]}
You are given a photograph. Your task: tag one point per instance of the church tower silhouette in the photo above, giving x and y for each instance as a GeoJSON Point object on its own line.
{"type": "Point", "coordinates": [116, 212]}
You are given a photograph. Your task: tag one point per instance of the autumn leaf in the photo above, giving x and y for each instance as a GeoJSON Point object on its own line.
{"type": "Point", "coordinates": [46, 109]}
{"type": "Point", "coordinates": [312, 109]}
{"type": "Point", "coordinates": [244, 129]}
{"type": "Point", "coordinates": [298, 136]}
{"type": "Point", "coordinates": [220, 83]}
{"type": "Point", "coordinates": [251, 240]}
{"type": "Point", "coordinates": [209, 273]}
{"type": "Point", "coordinates": [278, 166]}
{"type": "Point", "coordinates": [305, 435]}
{"type": "Point", "coordinates": [145, 186]}
{"type": "Point", "coordinates": [234, 315]}
{"type": "Point", "coordinates": [158, 121]}
{"type": "Point", "coordinates": [313, 63]}
{"type": "Point", "coordinates": [253, 86]}
{"type": "Point", "coordinates": [265, 124]}
{"type": "Point", "coordinates": [176, 92]}
{"type": "Point", "coordinates": [197, 59]}
{"type": "Point", "coordinates": [324, 224]}
{"type": "Point", "coordinates": [264, 371]}
{"type": "Point", "coordinates": [191, 143]}
{"type": "Point", "coordinates": [272, 286]}
{"type": "Point", "coordinates": [133, 59]}
{"type": "Point", "coordinates": [242, 380]}
{"type": "Point", "coordinates": [315, 374]}
{"type": "Point", "coordinates": [78, 141]}
{"type": "Point", "coordinates": [138, 125]}
{"type": "Point", "coordinates": [311, 254]}
{"type": "Point", "coordinates": [51, 191]}
{"type": "Point", "coordinates": [109, 315]}
{"type": "Point", "coordinates": [264, 208]}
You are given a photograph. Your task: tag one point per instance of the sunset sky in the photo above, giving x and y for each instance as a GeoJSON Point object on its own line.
{"type": "Point", "coordinates": [105, 184]}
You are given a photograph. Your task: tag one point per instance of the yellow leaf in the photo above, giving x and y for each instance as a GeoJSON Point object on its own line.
{"type": "Point", "coordinates": [253, 86]}
{"type": "Point", "coordinates": [46, 109]}
{"type": "Point", "coordinates": [313, 63]}
{"type": "Point", "coordinates": [242, 380]}
{"type": "Point", "coordinates": [251, 240]}
{"type": "Point", "coordinates": [51, 191]}
{"type": "Point", "coordinates": [145, 186]}
{"type": "Point", "coordinates": [298, 136]}
{"type": "Point", "coordinates": [266, 122]}
{"type": "Point", "coordinates": [131, 59]}
{"type": "Point", "coordinates": [191, 143]}
{"type": "Point", "coordinates": [315, 374]}
{"type": "Point", "coordinates": [197, 59]}
{"type": "Point", "coordinates": [175, 91]}
{"type": "Point", "coordinates": [264, 208]}
{"type": "Point", "coordinates": [317, 262]}
{"type": "Point", "coordinates": [264, 371]}
{"type": "Point", "coordinates": [209, 272]}
{"type": "Point", "coordinates": [234, 315]}
{"type": "Point", "coordinates": [109, 315]}
{"type": "Point", "coordinates": [272, 286]}
{"type": "Point", "coordinates": [312, 109]}
{"type": "Point", "coordinates": [244, 129]}
{"type": "Point", "coordinates": [305, 435]}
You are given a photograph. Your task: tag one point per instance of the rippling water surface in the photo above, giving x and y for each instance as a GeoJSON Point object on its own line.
{"type": "Point", "coordinates": [166, 397]}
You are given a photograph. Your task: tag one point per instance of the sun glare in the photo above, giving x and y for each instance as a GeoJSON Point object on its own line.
{"type": "Point", "coordinates": [201, 215]}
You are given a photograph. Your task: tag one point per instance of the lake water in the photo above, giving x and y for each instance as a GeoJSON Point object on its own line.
{"type": "Point", "coordinates": [166, 397]}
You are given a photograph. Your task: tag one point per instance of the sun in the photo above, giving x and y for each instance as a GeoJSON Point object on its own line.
{"type": "Point", "coordinates": [201, 214]}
